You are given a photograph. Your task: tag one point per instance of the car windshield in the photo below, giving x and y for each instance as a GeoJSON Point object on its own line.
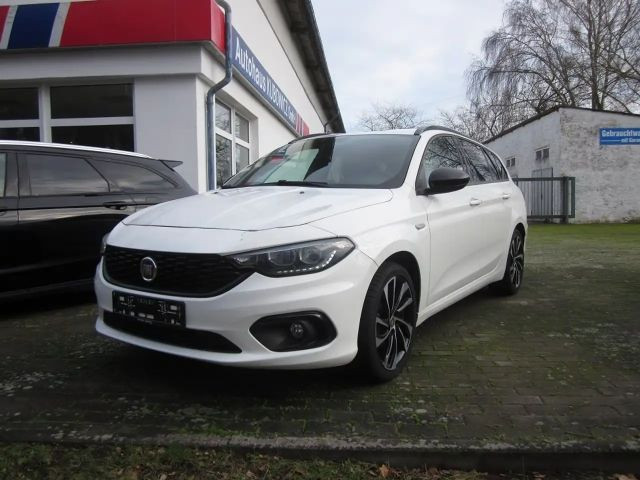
{"type": "Point", "coordinates": [349, 161]}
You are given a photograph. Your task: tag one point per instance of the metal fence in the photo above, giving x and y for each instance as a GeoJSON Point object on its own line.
{"type": "Point", "coordinates": [549, 197]}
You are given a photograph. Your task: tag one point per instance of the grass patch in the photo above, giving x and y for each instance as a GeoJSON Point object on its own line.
{"type": "Point", "coordinates": [33, 461]}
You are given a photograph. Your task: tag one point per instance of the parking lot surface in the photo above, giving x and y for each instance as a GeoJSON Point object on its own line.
{"type": "Point", "coordinates": [559, 363]}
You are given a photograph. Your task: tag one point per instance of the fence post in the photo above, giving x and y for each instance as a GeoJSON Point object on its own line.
{"type": "Point", "coordinates": [565, 199]}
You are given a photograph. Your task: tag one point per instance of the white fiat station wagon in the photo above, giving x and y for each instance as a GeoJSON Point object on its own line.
{"type": "Point", "coordinates": [330, 250]}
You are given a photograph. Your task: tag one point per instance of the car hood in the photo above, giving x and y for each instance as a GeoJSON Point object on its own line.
{"type": "Point", "coordinates": [258, 208]}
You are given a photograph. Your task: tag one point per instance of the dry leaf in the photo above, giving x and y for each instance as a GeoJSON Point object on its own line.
{"type": "Point", "coordinates": [384, 471]}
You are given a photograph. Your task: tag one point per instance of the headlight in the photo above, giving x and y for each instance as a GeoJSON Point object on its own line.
{"type": "Point", "coordinates": [103, 244]}
{"type": "Point", "coordinates": [298, 259]}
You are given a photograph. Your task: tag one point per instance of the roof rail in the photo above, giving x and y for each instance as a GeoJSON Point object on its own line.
{"type": "Point", "coordinates": [421, 130]}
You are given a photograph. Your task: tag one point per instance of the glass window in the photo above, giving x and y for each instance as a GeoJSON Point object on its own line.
{"type": "Point", "coordinates": [352, 161]}
{"type": "Point", "coordinates": [85, 101]}
{"type": "Point", "coordinates": [3, 173]}
{"type": "Point", "coordinates": [129, 177]}
{"type": "Point", "coordinates": [441, 152]}
{"type": "Point", "coordinates": [31, 134]}
{"type": "Point", "coordinates": [19, 103]}
{"type": "Point", "coordinates": [223, 117]}
{"type": "Point", "coordinates": [119, 137]}
{"type": "Point", "coordinates": [223, 159]}
{"type": "Point", "coordinates": [498, 166]}
{"type": "Point", "coordinates": [481, 169]}
{"type": "Point", "coordinates": [242, 157]}
{"type": "Point", "coordinates": [242, 128]}
{"type": "Point", "coordinates": [60, 175]}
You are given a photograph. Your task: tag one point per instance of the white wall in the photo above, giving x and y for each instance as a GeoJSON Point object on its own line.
{"type": "Point", "coordinates": [250, 21]}
{"type": "Point", "coordinates": [524, 141]}
{"type": "Point", "coordinates": [171, 81]}
{"type": "Point", "coordinates": [607, 176]}
{"type": "Point", "coordinates": [166, 123]}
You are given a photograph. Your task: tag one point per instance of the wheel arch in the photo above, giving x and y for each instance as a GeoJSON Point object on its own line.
{"type": "Point", "coordinates": [410, 263]}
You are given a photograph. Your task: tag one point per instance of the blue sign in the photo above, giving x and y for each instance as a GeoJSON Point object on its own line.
{"type": "Point", "coordinates": [620, 136]}
{"type": "Point", "coordinates": [254, 72]}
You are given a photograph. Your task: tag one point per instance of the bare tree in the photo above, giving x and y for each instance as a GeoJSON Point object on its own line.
{"type": "Point", "coordinates": [558, 52]}
{"type": "Point", "coordinates": [390, 116]}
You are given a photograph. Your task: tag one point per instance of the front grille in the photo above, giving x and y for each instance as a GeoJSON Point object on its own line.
{"type": "Point", "coordinates": [179, 274]}
{"type": "Point", "coordinates": [178, 336]}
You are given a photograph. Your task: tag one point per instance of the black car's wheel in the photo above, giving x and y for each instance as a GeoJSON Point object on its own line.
{"type": "Point", "coordinates": [514, 272]}
{"type": "Point", "coordinates": [387, 324]}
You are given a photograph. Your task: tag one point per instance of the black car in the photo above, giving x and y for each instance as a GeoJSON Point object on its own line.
{"type": "Point", "coordinates": [58, 201]}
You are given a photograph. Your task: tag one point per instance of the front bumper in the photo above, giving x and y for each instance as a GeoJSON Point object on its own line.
{"type": "Point", "coordinates": [337, 292]}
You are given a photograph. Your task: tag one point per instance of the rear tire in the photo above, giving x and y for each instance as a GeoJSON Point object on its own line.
{"type": "Point", "coordinates": [387, 324]}
{"type": "Point", "coordinates": [514, 272]}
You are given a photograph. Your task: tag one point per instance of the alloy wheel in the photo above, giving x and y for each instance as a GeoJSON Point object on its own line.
{"type": "Point", "coordinates": [394, 327]}
{"type": "Point", "coordinates": [516, 260]}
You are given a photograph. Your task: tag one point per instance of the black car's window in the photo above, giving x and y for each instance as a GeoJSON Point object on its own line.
{"type": "Point", "coordinates": [132, 178]}
{"type": "Point", "coordinates": [502, 172]}
{"type": "Point", "coordinates": [441, 152]}
{"type": "Point", "coordinates": [349, 161]}
{"type": "Point", "coordinates": [61, 175]}
{"type": "Point", "coordinates": [481, 170]}
{"type": "Point", "coordinates": [3, 173]}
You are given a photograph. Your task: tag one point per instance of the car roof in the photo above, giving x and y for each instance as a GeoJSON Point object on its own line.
{"type": "Point", "coordinates": [20, 143]}
{"type": "Point", "coordinates": [397, 131]}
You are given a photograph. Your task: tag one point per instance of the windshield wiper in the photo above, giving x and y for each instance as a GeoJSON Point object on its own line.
{"type": "Point", "coordinates": [298, 183]}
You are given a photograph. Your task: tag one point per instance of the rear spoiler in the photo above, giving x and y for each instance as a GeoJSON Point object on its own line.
{"type": "Point", "coordinates": [172, 163]}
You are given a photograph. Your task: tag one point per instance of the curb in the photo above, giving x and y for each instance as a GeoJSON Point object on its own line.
{"type": "Point", "coordinates": [490, 456]}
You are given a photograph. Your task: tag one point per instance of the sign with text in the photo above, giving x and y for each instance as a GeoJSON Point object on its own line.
{"type": "Point", "coordinates": [254, 72]}
{"type": "Point", "coordinates": [620, 136]}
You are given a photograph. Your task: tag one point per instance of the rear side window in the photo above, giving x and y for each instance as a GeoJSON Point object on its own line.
{"type": "Point", "coordinates": [441, 152]}
{"type": "Point", "coordinates": [481, 169]}
{"type": "Point", "coordinates": [3, 173]}
{"type": "Point", "coordinates": [132, 178]}
{"type": "Point", "coordinates": [502, 172]}
{"type": "Point", "coordinates": [61, 175]}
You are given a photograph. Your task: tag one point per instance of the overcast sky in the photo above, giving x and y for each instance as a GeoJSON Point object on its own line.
{"type": "Point", "coordinates": [414, 54]}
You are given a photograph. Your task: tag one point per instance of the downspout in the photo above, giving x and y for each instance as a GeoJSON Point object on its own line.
{"type": "Point", "coordinates": [211, 97]}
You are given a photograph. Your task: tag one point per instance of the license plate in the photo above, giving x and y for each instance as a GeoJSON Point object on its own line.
{"type": "Point", "coordinates": [149, 310]}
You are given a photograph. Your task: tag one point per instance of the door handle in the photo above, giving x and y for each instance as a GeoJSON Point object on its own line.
{"type": "Point", "coordinates": [506, 196]}
{"type": "Point", "coordinates": [474, 202]}
{"type": "Point", "coordinates": [116, 205]}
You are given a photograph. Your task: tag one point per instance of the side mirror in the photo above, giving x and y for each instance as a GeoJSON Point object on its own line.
{"type": "Point", "coordinates": [445, 180]}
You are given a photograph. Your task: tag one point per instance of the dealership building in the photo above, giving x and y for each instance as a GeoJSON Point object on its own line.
{"type": "Point", "coordinates": [600, 149]}
{"type": "Point", "coordinates": [134, 75]}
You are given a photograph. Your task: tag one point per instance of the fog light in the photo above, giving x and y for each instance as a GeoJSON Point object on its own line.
{"type": "Point", "coordinates": [294, 331]}
{"type": "Point", "coordinates": [297, 330]}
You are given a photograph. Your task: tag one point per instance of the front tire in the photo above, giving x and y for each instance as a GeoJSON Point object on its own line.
{"type": "Point", "coordinates": [514, 272]}
{"type": "Point", "coordinates": [387, 324]}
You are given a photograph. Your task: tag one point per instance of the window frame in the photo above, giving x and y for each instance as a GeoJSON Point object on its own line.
{"type": "Point", "coordinates": [45, 123]}
{"type": "Point", "coordinates": [234, 138]}
{"type": "Point", "coordinates": [542, 150]}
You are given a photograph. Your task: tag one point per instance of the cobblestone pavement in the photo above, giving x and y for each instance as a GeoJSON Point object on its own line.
{"type": "Point", "coordinates": [558, 364]}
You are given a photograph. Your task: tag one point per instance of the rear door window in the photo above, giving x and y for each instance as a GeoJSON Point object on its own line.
{"type": "Point", "coordinates": [62, 175]}
{"type": "Point", "coordinates": [481, 169]}
{"type": "Point", "coordinates": [502, 172]}
{"type": "Point", "coordinates": [133, 178]}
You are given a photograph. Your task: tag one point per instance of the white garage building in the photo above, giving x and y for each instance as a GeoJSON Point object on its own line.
{"type": "Point", "coordinates": [133, 75]}
{"type": "Point", "coordinates": [600, 149]}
